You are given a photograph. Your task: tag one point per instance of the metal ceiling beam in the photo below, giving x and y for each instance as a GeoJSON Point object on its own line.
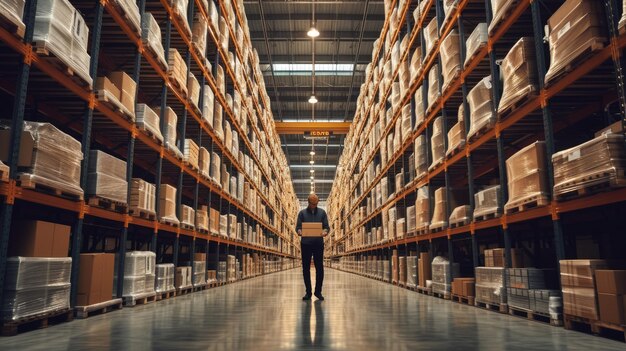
{"type": "Point", "coordinates": [343, 36]}
{"type": "Point", "coordinates": [320, 97]}
{"type": "Point", "coordinates": [362, 59]}
{"type": "Point", "coordinates": [318, 17]}
{"type": "Point", "coordinates": [302, 127]}
{"type": "Point", "coordinates": [317, 181]}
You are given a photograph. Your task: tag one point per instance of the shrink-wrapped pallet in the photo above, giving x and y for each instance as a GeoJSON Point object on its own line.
{"type": "Point", "coordinates": [601, 160]}
{"type": "Point", "coordinates": [421, 156]}
{"type": "Point", "coordinates": [132, 15]}
{"type": "Point", "coordinates": [578, 283]}
{"type": "Point", "coordinates": [106, 177]}
{"type": "Point", "coordinates": [480, 104]}
{"type": "Point", "coordinates": [148, 120]}
{"type": "Point", "coordinates": [422, 209]}
{"type": "Point", "coordinates": [440, 210]}
{"type": "Point", "coordinates": [60, 30]}
{"type": "Point", "coordinates": [410, 219]}
{"type": "Point", "coordinates": [119, 90]}
{"type": "Point", "coordinates": [576, 28]}
{"type": "Point", "coordinates": [204, 160]}
{"type": "Point", "coordinates": [527, 177]}
{"type": "Point", "coordinates": [188, 215]}
{"type": "Point", "coordinates": [142, 197]}
{"type": "Point", "coordinates": [420, 109]}
{"type": "Point", "coordinates": [47, 157]}
{"type": "Point", "coordinates": [499, 8]}
{"type": "Point", "coordinates": [179, 8]}
{"type": "Point", "coordinates": [224, 34]}
{"type": "Point", "coordinates": [165, 277]}
{"type": "Point", "coordinates": [13, 11]}
{"type": "Point", "coordinates": [443, 273]}
{"type": "Point", "coordinates": [488, 203]}
{"type": "Point", "coordinates": [225, 178]}
{"type": "Point", "coordinates": [190, 154]}
{"type": "Point", "coordinates": [450, 58]}
{"type": "Point", "coordinates": [416, 63]}
{"type": "Point", "coordinates": [35, 285]}
{"type": "Point", "coordinates": [151, 37]}
{"type": "Point", "coordinates": [437, 143]}
{"type": "Point", "coordinates": [460, 216]}
{"type": "Point", "coordinates": [405, 123]}
{"type": "Point", "coordinates": [411, 271]}
{"type": "Point", "coordinates": [193, 88]}
{"type": "Point", "coordinates": [199, 33]}
{"type": "Point", "coordinates": [182, 278]}
{"type": "Point", "coordinates": [177, 71]}
{"type": "Point", "coordinates": [456, 136]}
{"type": "Point", "coordinates": [476, 41]}
{"type": "Point", "coordinates": [199, 273]}
{"type": "Point", "coordinates": [400, 228]}
{"type": "Point", "coordinates": [402, 270]}
{"type": "Point", "coordinates": [202, 218]}
{"type": "Point", "coordinates": [139, 273]}
{"type": "Point", "coordinates": [208, 103]}
{"type": "Point", "coordinates": [519, 70]}
{"type": "Point", "coordinates": [490, 285]}
{"type": "Point", "coordinates": [431, 35]}
{"type": "Point", "coordinates": [433, 87]}
{"type": "Point", "coordinates": [167, 204]}
{"type": "Point", "coordinates": [448, 9]}
{"type": "Point", "coordinates": [170, 129]}
{"type": "Point", "coordinates": [395, 56]}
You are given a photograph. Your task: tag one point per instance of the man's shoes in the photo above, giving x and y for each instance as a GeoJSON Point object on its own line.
{"type": "Point", "coordinates": [306, 297]}
{"type": "Point", "coordinates": [319, 296]}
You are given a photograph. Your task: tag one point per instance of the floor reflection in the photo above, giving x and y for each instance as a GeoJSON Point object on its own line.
{"type": "Point", "coordinates": [312, 323]}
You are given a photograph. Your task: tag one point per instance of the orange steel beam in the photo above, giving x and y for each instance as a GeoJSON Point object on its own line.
{"type": "Point", "coordinates": [302, 127]}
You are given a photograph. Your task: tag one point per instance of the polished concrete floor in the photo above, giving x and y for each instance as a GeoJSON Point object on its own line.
{"type": "Point", "coordinates": [266, 313]}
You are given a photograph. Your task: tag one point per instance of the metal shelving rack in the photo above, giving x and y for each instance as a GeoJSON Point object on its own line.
{"type": "Point", "coordinates": [96, 124]}
{"type": "Point", "coordinates": [534, 119]}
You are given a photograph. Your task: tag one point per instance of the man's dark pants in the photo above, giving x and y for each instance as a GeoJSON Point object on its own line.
{"type": "Point", "coordinates": [313, 247]}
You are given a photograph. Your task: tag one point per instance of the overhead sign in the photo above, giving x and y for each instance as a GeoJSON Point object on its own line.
{"type": "Point", "coordinates": [317, 134]}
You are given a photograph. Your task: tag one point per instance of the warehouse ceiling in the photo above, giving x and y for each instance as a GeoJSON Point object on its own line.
{"type": "Point", "coordinates": [348, 29]}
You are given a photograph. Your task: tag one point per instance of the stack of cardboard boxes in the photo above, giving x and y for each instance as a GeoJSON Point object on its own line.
{"type": "Point", "coordinates": [527, 177]}
{"type": "Point", "coordinates": [142, 197]}
{"type": "Point", "coordinates": [167, 204]}
{"type": "Point", "coordinates": [165, 277]}
{"type": "Point", "coordinates": [463, 287]}
{"type": "Point", "coordinates": [106, 177]}
{"type": "Point", "coordinates": [424, 269]}
{"type": "Point", "coordinates": [119, 89]}
{"type": "Point", "coordinates": [95, 279]}
{"type": "Point", "coordinates": [148, 120]}
{"type": "Point", "coordinates": [611, 289]}
{"type": "Point", "coordinates": [578, 284]}
{"type": "Point", "coordinates": [177, 70]}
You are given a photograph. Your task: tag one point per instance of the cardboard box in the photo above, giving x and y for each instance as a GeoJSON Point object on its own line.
{"type": "Point", "coordinates": [39, 239]}
{"type": "Point", "coordinates": [424, 269]}
{"type": "Point", "coordinates": [27, 148]}
{"type": "Point", "coordinates": [199, 257]}
{"type": "Point", "coordinates": [611, 282]}
{"type": "Point", "coordinates": [127, 88]}
{"type": "Point", "coordinates": [104, 83]}
{"type": "Point", "coordinates": [312, 229]}
{"type": "Point", "coordinates": [468, 287]}
{"type": "Point", "coordinates": [612, 308]}
{"type": "Point", "coordinates": [95, 280]}
{"type": "Point", "coordinates": [614, 128]}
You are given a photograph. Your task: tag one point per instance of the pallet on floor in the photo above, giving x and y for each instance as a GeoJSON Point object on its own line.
{"type": "Point", "coordinates": [107, 204]}
{"type": "Point", "coordinates": [28, 181]}
{"type": "Point", "coordinates": [526, 204]}
{"type": "Point", "coordinates": [595, 327]}
{"type": "Point", "coordinates": [423, 290]}
{"type": "Point", "coordinates": [164, 295]}
{"type": "Point", "coordinates": [445, 296]}
{"type": "Point", "coordinates": [81, 312]}
{"type": "Point", "coordinates": [465, 300]}
{"type": "Point", "coordinates": [199, 287]}
{"type": "Point", "coordinates": [140, 299]}
{"type": "Point", "coordinates": [141, 213]}
{"type": "Point", "coordinates": [38, 321]}
{"type": "Point", "coordinates": [502, 308]}
{"type": "Point", "coordinates": [184, 290]}
{"type": "Point", "coordinates": [535, 316]}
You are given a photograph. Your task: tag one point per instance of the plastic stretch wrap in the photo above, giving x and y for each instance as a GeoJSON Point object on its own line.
{"type": "Point", "coordinates": [180, 9]}
{"type": "Point", "coordinates": [170, 130]}
{"type": "Point", "coordinates": [402, 269]}
{"type": "Point", "coordinates": [142, 196]}
{"type": "Point", "coordinates": [476, 41]}
{"type": "Point", "coordinates": [416, 63]}
{"type": "Point", "coordinates": [204, 159]}
{"type": "Point", "coordinates": [13, 10]}
{"type": "Point", "coordinates": [224, 33]}
{"type": "Point", "coordinates": [519, 70]}
{"type": "Point", "coordinates": [410, 219]}
{"type": "Point", "coordinates": [499, 8]}
{"type": "Point", "coordinates": [20, 304]}
{"type": "Point", "coordinates": [148, 120]}
{"type": "Point", "coordinates": [433, 86]}
{"type": "Point", "coordinates": [139, 273]}
{"type": "Point", "coordinates": [54, 157]}
{"type": "Point", "coordinates": [208, 103]}
{"type": "Point", "coordinates": [443, 273]}
{"type": "Point", "coordinates": [199, 33]}
{"type": "Point", "coordinates": [31, 273]}
{"type": "Point", "coordinates": [479, 99]}
{"type": "Point", "coordinates": [440, 217]}
{"type": "Point", "coordinates": [189, 215]}
{"type": "Point", "coordinates": [431, 35]}
{"type": "Point", "coordinates": [164, 277]}
{"type": "Point", "coordinates": [448, 7]}
{"type": "Point", "coordinates": [193, 87]}
{"type": "Point", "coordinates": [177, 70]}
{"type": "Point", "coordinates": [421, 156]}
{"type": "Point", "coordinates": [411, 271]}
{"type": "Point", "coordinates": [576, 28]}
{"type": "Point", "coordinates": [167, 203]}
{"type": "Point", "coordinates": [191, 153]}
{"type": "Point", "coordinates": [199, 273]}
{"type": "Point", "coordinates": [420, 110]}
{"type": "Point", "coordinates": [151, 36]}
{"type": "Point", "coordinates": [450, 57]}
{"type": "Point", "coordinates": [422, 208]}
{"type": "Point", "coordinates": [461, 214]}
{"type": "Point", "coordinates": [594, 162]}
{"type": "Point", "coordinates": [61, 30]}
{"type": "Point", "coordinates": [106, 177]}
{"type": "Point", "coordinates": [456, 137]}
{"type": "Point", "coordinates": [395, 55]}
{"type": "Point", "coordinates": [488, 202]}
{"type": "Point", "coordinates": [132, 13]}
{"type": "Point", "coordinates": [202, 218]}
{"type": "Point", "coordinates": [490, 285]}
{"type": "Point", "coordinates": [215, 168]}
{"type": "Point", "coordinates": [526, 174]}
{"type": "Point", "coordinates": [437, 146]}
{"type": "Point", "coordinates": [579, 287]}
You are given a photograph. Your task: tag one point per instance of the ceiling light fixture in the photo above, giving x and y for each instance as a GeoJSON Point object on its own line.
{"type": "Point", "coordinates": [312, 153]}
{"type": "Point", "coordinates": [313, 32]}
{"type": "Point", "coordinates": [312, 171]}
{"type": "Point", "coordinates": [312, 100]}
{"type": "Point", "coordinates": [312, 162]}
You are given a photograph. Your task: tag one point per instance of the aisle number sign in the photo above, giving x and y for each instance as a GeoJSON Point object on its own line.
{"type": "Point", "coordinates": [317, 135]}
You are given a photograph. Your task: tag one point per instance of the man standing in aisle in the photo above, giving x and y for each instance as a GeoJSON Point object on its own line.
{"type": "Point", "coordinates": [313, 246]}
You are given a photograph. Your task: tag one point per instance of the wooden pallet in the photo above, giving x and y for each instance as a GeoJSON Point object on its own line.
{"type": "Point", "coordinates": [17, 29]}
{"type": "Point", "coordinates": [480, 132]}
{"type": "Point", "coordinates": [114, 104]}
{"type": "Point", "coordinates": [108, 204]}
{"type": "Point", "coordinates": [445, 296]}
{"type": "Point", "coordinates": [595, 327]}
{"type": "Point", "coordinates": [27, 181]}
{"type": "Point", "coordinates": [502, 308]}
{"type": "Point", "coordinates": [169, 222]}
{"type": "Point", "coordinates": [459, 224]}
{"type": "Point", "coordinates": [184, 291]}
{"type": "Point", "coordinates": [592, 46]}
{"type": "Point", "coordinates": [4, 172]}
{"type": "Point", "coordinates": [142, 299]}
{"type": "Point", "coordinates": [423, 290]}
{"type": "Point", "coordinates": [202, 231]}
{"type": "Point", "coordinates": [190, 165]}
{"type": "Point", "coordinates": [517, 103]}
{"type": "Point", "coordinates": [535, 316]}
{"type": "Point", "coordinates": [456, 150]}
{"type": "Point", "coordinates": [438, 228]}
{"type": "Point", "coordinates": [177, 85]}
{"type": "Point", "coordinates": [422, 231]}
{"type": "Point", "coordinates": [474, 54]}
{"type": "Point", "coordinates": [509, 10]}
{"type": "Point", "coordinates": [466, 300]}
{"type": "Point", "coordinates": [187, 226]}
{"type": "Point", "coordinates": [38, 321]}
{"type": "Point", "coordinates": [591, 184]}
{"type": "Point", "coordinates": [157, 57]}
{"type": "Point", "coordinates": [526, 204]}
{"type": "Point", "coordinates": [148, 132]}
{"type": "Point", "coordinates": [164, 295]}
{"type": "Point", "coordinates": [199, 287]}
{"type": "Point", "coordinates": [41, 49]}
{"type": "Point", "coordinates": [487, 216]}
{"type": "Point", "coordinates": [436, 165]}
{"type": "Point", "coordinates": [450, 82]}
{"type": "Point", "coordinates": [122, 11]}
{"type": "Point", "coordinates": [99, 308]}
{"type": "Point", "coordinates": [140, 213]}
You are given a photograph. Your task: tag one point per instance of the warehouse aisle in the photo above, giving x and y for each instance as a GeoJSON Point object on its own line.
{"type": "Point", "coordinates": [266, 313]}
